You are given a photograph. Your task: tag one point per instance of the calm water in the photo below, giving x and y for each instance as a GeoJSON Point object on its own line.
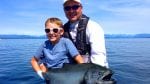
{"type": "Point", "coordinates": [128, 58]}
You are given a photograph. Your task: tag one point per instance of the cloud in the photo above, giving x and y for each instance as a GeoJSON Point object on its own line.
{"type": "Point", "coordinates": [116, 16]}
{"type": "Point", "coordinates": [121, 16]}
{"type": "Point", "coordinates": [27, 15]}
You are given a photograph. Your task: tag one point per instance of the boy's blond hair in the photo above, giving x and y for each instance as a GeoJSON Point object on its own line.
{"type": "Point", "coordinates": [54, 20]}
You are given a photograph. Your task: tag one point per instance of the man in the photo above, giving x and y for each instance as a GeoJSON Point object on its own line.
{"type": "Point", "coordinates": [87, 35]}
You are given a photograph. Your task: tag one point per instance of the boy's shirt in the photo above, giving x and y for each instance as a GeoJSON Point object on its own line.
{"type": "Point", "coordinates": [54, 56]}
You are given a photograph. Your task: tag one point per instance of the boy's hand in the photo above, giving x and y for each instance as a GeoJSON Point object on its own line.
{"type": "Point", "coordinates": [43, 67]}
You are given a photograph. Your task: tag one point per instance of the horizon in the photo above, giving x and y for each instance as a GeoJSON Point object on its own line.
{"type": "Point", "coordinates": [104, 34]}
{"type": "Point", "coordinates": [27, 17]}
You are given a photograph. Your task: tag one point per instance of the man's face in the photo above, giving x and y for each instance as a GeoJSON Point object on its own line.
{"type": "Point", "coordinates": [73, 10]}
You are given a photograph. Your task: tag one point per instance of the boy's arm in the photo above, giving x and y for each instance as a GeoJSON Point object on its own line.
{"type": "Point", "coordinates": [34, 63]}
{"type": "Point", "coordinates": [79, 59]}
{"type": "Point", "coordinates": [36, 67]}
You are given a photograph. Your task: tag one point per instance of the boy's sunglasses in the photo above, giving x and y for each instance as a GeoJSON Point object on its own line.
{"type": "Point", "coordinates": [74, 7]}
{"type": "Point", "coordinates": [55, 30]}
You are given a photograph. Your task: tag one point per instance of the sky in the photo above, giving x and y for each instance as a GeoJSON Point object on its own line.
{"type": "Point", "coordinates": [27, 17]}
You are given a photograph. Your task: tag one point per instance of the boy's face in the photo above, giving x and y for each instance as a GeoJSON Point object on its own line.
{"type": "Point", "coordinates": [53, 32]}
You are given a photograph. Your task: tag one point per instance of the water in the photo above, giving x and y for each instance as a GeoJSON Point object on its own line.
{"type": "Point", "coordinates": [128, 58]}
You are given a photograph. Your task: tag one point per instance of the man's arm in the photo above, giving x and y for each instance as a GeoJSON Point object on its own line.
{"type": "Point", "coordinates": [97, 41]}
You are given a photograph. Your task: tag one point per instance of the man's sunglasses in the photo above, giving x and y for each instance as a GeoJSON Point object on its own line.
{"type": "Point", "coordinates": [74, 7]}
{"type": "Point", "coordinates": [55, 30]}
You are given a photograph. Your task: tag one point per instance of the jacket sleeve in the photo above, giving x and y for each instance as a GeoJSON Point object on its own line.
{"type": "Point", "coordinates": [95, 36]}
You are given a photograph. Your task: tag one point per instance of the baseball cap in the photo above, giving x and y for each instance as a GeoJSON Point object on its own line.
{"type": "Point", "coordinates": [79, 1]}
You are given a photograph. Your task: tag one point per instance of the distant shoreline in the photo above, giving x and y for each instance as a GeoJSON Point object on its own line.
{"type": "Point", "coordinates": [12, 36]}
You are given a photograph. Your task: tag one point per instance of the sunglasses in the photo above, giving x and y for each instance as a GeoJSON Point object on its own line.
{"type": "Point", "coordinates": [74, 7]}
{"type": "Point", "coordinates": [55, 30]}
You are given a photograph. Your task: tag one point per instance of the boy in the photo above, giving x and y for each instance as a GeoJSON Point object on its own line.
{"type": "Point", "coordinates": [55, 51]}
